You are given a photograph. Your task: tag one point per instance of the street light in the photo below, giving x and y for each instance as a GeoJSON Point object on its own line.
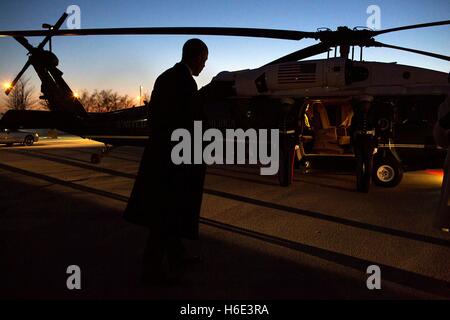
{"type": "Point", "coordinates": [7, 85]}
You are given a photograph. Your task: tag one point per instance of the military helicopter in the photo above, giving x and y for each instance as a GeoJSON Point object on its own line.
{"type": "Point", "coordinates": [308, 101]}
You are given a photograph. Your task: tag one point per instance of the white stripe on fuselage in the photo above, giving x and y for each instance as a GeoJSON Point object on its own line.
{"type": "Point", "coordinates": [405, 145]}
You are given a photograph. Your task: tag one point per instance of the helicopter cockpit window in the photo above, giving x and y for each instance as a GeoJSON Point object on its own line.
{"type": "Point", "coordinates": [359, 74]}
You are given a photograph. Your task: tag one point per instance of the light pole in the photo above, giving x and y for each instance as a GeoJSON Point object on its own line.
{"type": "Point", "coordinates": [140, 95]}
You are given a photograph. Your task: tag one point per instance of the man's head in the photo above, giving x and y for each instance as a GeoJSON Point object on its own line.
{"type": "Point", "coordinates": [195, 54]}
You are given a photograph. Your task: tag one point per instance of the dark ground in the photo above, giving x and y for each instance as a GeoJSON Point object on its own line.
{"type": "Point", "coordinates": [312, 240]}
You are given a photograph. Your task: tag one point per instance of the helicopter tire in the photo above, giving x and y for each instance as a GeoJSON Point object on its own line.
{"type": "Point", "coordinates": [297, 163]}
{"type": "Point", "coordinates": [387, 172]}
{"type": "Point", "coordinates": [362, 177]}
{"type": "Point", "coordinates": [286, 169]}
{"type": "Point", "coordinates": [95, 158]}
{"type": "Point", "coordinates": [28, 141]}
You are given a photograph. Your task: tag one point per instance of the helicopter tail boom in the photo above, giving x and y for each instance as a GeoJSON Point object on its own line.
{"type": "Point", "coordinates": [32, 119]}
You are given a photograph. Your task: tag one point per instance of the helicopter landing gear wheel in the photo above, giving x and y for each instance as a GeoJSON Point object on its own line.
{"type": "Point", "coordinates": [387, 172]}
{"type": "Point", "coordinates": [97, 157]}
{"type": "Point", "coordinates": [286, 169]}
{"type": "Point", "coordinates": [362, 176]}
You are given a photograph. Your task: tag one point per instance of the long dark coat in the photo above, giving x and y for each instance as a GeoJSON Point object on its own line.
{"type": "Point", "coordinates": [168, 196]}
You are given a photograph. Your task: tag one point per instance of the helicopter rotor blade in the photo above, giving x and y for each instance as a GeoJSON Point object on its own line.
{"type": "Point", "coordinates": [24, 42]}
{"type": "Point", "coordinates": [215, 31]}
{"type": "Point", "coordinates": [16, 79]}
{"type": "Point", "coordinates": [327, 36]}
{"type": "Point", "coordinates": [414, 26]}
{"type": "Point", "coordinates": [425, 53]}
{"type": "Point", "coordinates": [302, 53]}
{"type": "Point", "coordinates": [56, 27]}
{"type": "Point", "coordinates": [30, 48]}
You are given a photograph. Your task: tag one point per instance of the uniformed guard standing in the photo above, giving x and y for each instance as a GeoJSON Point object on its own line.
{"type": "Point", "coordinates": [441, 135]}
{"type": "Point", "coordinates": [363, 140]}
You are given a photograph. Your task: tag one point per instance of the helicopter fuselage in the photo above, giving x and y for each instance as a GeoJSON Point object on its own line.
{"type": "Point", "coordinates": [274, 96]}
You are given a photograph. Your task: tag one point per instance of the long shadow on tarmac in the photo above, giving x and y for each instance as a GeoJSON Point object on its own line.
{"type": "Point", "coordinates": [252, 173]}
{"type": "Point", "coordinates": [96, 150]}
{"type": "Point", "coordinates": [323, 185]}
{"type": "Point", "coordinates": [235, 197]}
{"type": "Point", "coordinates": [38, 246]}
{"type": "Point", "coordinates": [228, 176]}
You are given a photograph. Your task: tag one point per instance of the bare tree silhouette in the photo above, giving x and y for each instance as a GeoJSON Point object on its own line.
{"type": "Point", "coordinates": [104, 101]}
{"type": "Point", "coordinates": [21, 97]}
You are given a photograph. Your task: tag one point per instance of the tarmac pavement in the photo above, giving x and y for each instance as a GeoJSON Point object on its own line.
{"type": "Point", "coordinates": [312, 240]}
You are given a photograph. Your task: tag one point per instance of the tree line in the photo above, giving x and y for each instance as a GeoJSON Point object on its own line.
{"type": "Point", "coordinates": [22, 98]}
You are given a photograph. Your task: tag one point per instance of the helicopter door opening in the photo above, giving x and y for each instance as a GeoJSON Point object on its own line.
{"type": "Point", "coordinates": [325, 128]}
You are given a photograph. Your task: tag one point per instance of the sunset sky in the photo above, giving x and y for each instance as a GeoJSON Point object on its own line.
{"type": "Point", "coordinates": [123, 63]}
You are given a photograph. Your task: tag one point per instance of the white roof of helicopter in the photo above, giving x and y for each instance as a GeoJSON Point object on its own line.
{"type": "Point", "coordinates": [329, 77]}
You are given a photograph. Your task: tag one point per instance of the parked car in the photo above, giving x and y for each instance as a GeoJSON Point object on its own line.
{"type": "Point", "coordinates": [10, 136]}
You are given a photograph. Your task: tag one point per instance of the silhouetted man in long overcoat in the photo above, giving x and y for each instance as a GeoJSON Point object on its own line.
{"type": "Point", "coordinates": [167, 197]}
